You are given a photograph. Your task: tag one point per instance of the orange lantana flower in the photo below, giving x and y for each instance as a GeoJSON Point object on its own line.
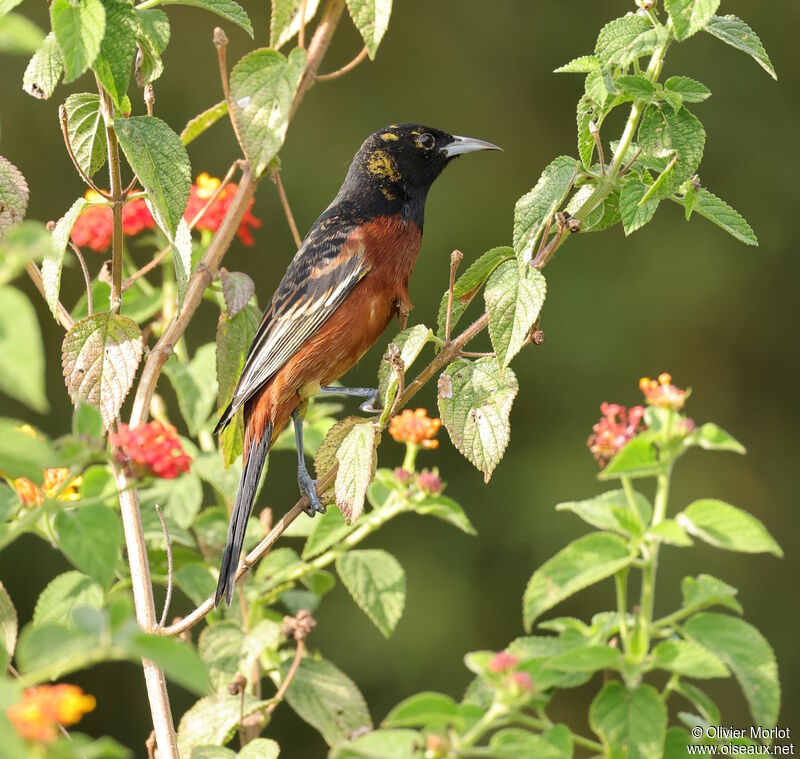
{"type": "Point", "coordinates": [44, 707]}
{"type": "Point", "coordinates": [415, 427]}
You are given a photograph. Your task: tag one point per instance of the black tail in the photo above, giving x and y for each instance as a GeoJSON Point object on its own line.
{"type": "Point", "coordinates": [245, 495]}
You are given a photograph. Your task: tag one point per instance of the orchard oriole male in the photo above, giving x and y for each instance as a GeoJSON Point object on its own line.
{"type": "Point", "coordinates": [341, 290]}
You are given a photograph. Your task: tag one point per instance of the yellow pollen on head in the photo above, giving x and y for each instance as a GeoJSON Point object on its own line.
{"type": "Point", "coordinates": [389, 136]}
{"type": "Point", "coordinates": [381, 165]}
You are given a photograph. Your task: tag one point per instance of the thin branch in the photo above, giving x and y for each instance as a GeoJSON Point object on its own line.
{"type": "Point", "coordinates": [301, 31]}
{"type": "Point", "coordinates": [64, 319]}
{"type": "Point", "coordinates": [62, 118]}
{"type": "Point", "coordinates": [86, 278]}
{"type": "Point", "coordinates": [170, 567]}
{"type": "Point", "coordinates": [595, 132]}
{"type": "Point", "coordinates": [287, 681]}
{"type": "Point", "coordinates": [287, 209]}
{"type": "Point", "coordinates": [348, 67]}
{"type": "Point", "coordinates": [545, 236]}
{"type": "Point", "coordinates": [630, 163]}
{"type": "Point", "coordinates": [147, 268]}
{"type": "Point", "coordinates": [221, 43]}
{"type": "Point", "coordinates": [455, 259]}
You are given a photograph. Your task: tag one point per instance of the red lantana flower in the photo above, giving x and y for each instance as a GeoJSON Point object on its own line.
{"type": "Point", "coordinates": [201, 191]}
{"type": "Point", "coordinates": [150, 449]}
{"type": "Point", "coordinates": [617, 427]}
{"type": "Point", "coordinates": [93, 229]}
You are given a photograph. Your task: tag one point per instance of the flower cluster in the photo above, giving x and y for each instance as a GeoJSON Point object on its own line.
{"type": "Point", "coordinates": [428, 481]}
{"type": "Point", "coordinates": [44, 707]}
{"type": "Point", "coordinates": [617, 427]}
{"type": "Point", "coordinates": [54, 480]}
{"type": "Point", "coordinates": [415, 428]}
{"type": "Point", "coordinates": [504, 663]}
{"type": "Point", "coordinates": [150, 449]}
{"type": "Point", "coordinates": [662, 392]}
{"type": "Point", "coordinates": [201, 191]}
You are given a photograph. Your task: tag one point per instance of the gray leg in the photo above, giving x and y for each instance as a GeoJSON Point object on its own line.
{"type": "Point", "coordinates": [372, 403]}
{"type": "Point", "coordinates": [306, 484]}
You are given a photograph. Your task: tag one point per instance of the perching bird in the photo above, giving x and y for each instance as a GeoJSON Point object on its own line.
{"type": "Point", "coordinates": [341, 290]}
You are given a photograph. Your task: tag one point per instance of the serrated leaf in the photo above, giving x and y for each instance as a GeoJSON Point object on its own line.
{"type": "Point", "coordinates": [669, 531]}
{"type": "Point", "coordinates": [377, 583]}
{"type": "Point", "coordinates": [468, 284]}
{"type": "Point", "coordinates": [688, 658]}
{"type": "Point", "coordinates": [749, 656]}
{"type": "Point", "coordinates": [635, 213]}
{"type": "Point", "coordinates": [602, 510]}
{"type": "Point", "coordinates": [203, 121]}
{"type": "Point", "coordinates": [263, 85]}
{"type": "Point", "coordinates": [586, 143]}
{"type": "Point", "coordinates": [237, 290]}
{"type": "Point", "coordinates": [227, 9]}
{"type": "Point", "coordinates": [8, 5]}
{"type": "Point", "coordinates": [422, 709]}
{"type": "Point", "coordinates": [638, 458]}
{"type": "Point", "coordinates": [514, 297]}
{"type": "Point", "coordinates": [532, 210]}
{"type": "Point", "coordinates": [625, 39]}
{"type": "Point", "coordinates": [79, 28]}
{"type": "Point", "coordinates": [91, 538]}
{"type": "Point", "coordinates": [371, 18]}
{"type": "Point", "coordinates": [86, 131]}
{"type": "Point", "coordinates": [117, 50]}
{"type": "Point", "coordinates": [690, 16]}
{"type": "Point", "coordinates": [707, 708]}
{"type": "Point", "coordinates": [53, 263]}
{"type": "Point", "coordinates": [736, 33]}
{"type": "Point", "coordinates": [585, 659]}
{"type": "Point", "coordinates": [599, 87]}
{"type": "Point", "coordinates": [328, 529]}
{"type": "Point", "coordinates": [157, 156]}
{"type": "Point", "coordinates": [705, 590]}
{"type": "Point", "coordinates": [410, 341]}
{"type": "Point", "coordinates": [632, 723]}
{"type": "Point", "coordinates": [219, 646]}
{"type": "Point", "coordinates": [581, 65]}
{"type": "Point", "coordinates": [724, 526]}
{"type": "Point", "coordinates": [196, 581]}
{"type": "Point", "coordinates": [720, 213]}
{"type": "Point", "coordinates": [64, 593]}
{"type": "Point", "coordinates": [21, 454]}
{"type": "Point", "coordinates": [194, 385]}
{"type": "Point", "coordinates": [446, 509]}
{"type": "Point", "coordinates": [475, 400]}
{"type": "Point", "coordinates": [636, 86]}
{"type": "Point", "coordinates": [21, 351]}
{"type": "Point", "coordinates": [514, 743]}
{"type": "Point", "coordinates": [213, 720]}
{"type": "Point", "coordinates": [689, 89]}
{"type": "Point", "coordinates": [44, 69]}
{"type": "Point", "coordinates": [583, 562]}
{"type": "Point", "coordinates": [358, 460]}
{"type": "Point", "coordinates": [328, 700]}
{"type": "Point", "coordinates": [152, 40]}
{"type": "Point", "coordinates": [713, 438]}
{"type": "Point", "coordinates": [285, 20]}
{"type": "Point", "coordinates": [14, 196]}
{"type": "Point", "coordinates": [99, 357]}
{"type": "Point", "coordinates": [8, 621]}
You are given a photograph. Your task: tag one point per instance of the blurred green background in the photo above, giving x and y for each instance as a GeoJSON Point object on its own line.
{"type": "Point", "coordinates": [678, 297]}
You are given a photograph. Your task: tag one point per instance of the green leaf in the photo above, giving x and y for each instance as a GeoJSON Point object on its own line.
{"type": "Point", "coordinates": [8, 5]}
{"type": "Point", "coordinates": [603, 511]}
{"type": "Point", "coordinates": [586, 659]}
{"type": "Point", "coordinates": [669, 531]}
{"type": "Point", "coordinates": [444, 508]}
{"type": "Point", "coordinates": [636, 86]}
{"type": "Point", "coordinates": [381, 744]}
{"type": "Point", "coordinates": [514, 743]}
{"type": "Point", "coordinates": [14, 195]}
{"type": "Point", "coordinates": [184, 499]}
{"type": "Point", "coordinates": [21, 454]}
{"type": "Point", "coordinates": [475, 400]}
{"type": "Point", "coordinates": [227, 9]}
{"type": "Point", "coordinates": [582, 563]}
{"type": "Point", "coordinates": [329, 528]}
{"type": "Point", "coordinates": [422, 709]}
{"type": "Point", "coordinates": [237, 290]}
{"type": "Point", "coordinates": [586, 143]}
{"type": "Point", "coordinates": [200, 123]}
{"type": "Point", "coordinates": [79, 27]}
{"type": "Point", "coordinates": [21, 351]}
{"type": "Point", "coordinates": [410, 341]}
{"type": "Point", "coordinates": [689, 659]}
{"type": "Point", "coordinates": [86, 131]}
{"type": "Point", "coordinates": [632, 723]}
{"type": "Point", "coordinates": [724, 526]}
{"type": "Point", "coordinates": [53, 263]}
{"type": "Point", "coordinates": [371, 18]}
{"type": "Point", "coordinates": [357, 459]}
{"type": "Point", "coordinates": [213, 720]}
{"type": "Point", "coordinates": [48, 645]}
{"type": "Point", "coordinates": [634, 215]}
{"type": "Point", "coordinates": [157, 156]}
{"type": "Point", "coordinates": [514, 297]}
{"type": "Point", "coordinates": [377, 583]}
{"type": "Point", "coordinates": [196, 581]}
{"type": "Point", "coordinates": [534, 209]}
{"type": "Point", "coordinates": [707, 708]}
{"type": "Point", "coordinates": [285, 20]}
{"type": "Point", "coordinates": [639, 458]}
{"type": "Point", "coordinates": [749, 656]}
{"type": "Point", "coordinates": [91, 538]}
{"type": "Point", "coordinates": [8, 621]}
{"type": "Point", "coordinates": [736, 33]}
{"type": "Point", "coordinates": [468, 284]}
{"type": "Point", "coordinates": [328, 700]}
{"type": "Point", "coordinates": [720, 213]}
{"type": "Point", "coordinates": [179, 660]}
{"type": "Point", "coordinates": [44, 70]}
{"type": "Point", "coordinates": [690, 90]}
{"type": "Point", "coordinates": [705, 590]}
{"type": "Point", "coordinates": [153, 38]}
{"type": "Point", "coordinates": [100, 355]}
{"type": "Point", "coordinates": [195, 385]}
{"type": "Point", "coordinates": [581, 65]}
{"type": "Point", "coordinates": [690, 16]}
{"type": "Point", "coordinates": [625, 39]}
{"type": "Point", "coordinates": [220, 647]}
{"type": "Point", "coordinates": [260, 748]}
{"type": "Point", "coordinates": [63, 594]}
{"type": "Point", "coordinates": [263, 85]}
{"type": "Point", "coordinates": [19, 35]}
{"type": "Point", "coordinates": [118, 49]}
{"type": "Point", "coordinates": [713, 438]}
{"type": "Point", "coordinates": [599, 88]}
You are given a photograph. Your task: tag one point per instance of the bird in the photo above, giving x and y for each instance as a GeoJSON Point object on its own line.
{"type": "Point", "coordinates": [346, 283]}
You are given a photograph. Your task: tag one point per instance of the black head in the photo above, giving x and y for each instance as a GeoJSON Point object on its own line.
{"type": "Point", "coordinates": [397, 165]}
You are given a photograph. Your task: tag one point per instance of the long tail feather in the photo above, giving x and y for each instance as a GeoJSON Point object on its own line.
{"type": "Point", "coordinates": [243, 505]}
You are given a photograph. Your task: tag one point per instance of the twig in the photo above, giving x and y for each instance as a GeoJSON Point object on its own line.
{"type": "Point", "coordinates": [287, 209]}
{"type": "Point", "coordinates": [150, 745]}
{"type": "Point", "coordinates": [545, 236]}
{"type": "Point", "coordinates": [455, 259]}
{"type": "Point", "coordinates": [301, 31]}
{"type": "Point", "coordinates": [86, 278]}
{"type": "Point", "coordinates": [476, 354]}
{"type": "Point", "coordinates": [170, 574]}
{"type": "Point", "coordinates": [595, 132]}
{"type": "Point", "coordinates": [221, 43]}
{"type": "Point", "coordinates": [630, 163]}
{"type": "Point", "coordinates": [64, 319]}
{"type": "Point", "coordinates": [147, 268]}
{"type": "Point", "coordinates": [543, 256]}
{"type": "Point", "coordinates": [287, 681]}
{"type": "Point", "coordinates": [344, 69]}
{"type": "Point", "coordinates": [62, 118]}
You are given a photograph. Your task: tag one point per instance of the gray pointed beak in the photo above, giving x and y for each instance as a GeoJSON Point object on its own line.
{"type": "Point", "coordinates": [461, 145]}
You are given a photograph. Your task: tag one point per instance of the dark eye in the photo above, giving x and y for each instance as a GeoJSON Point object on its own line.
{"type": "Point", "coordinates": [427, 141]}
